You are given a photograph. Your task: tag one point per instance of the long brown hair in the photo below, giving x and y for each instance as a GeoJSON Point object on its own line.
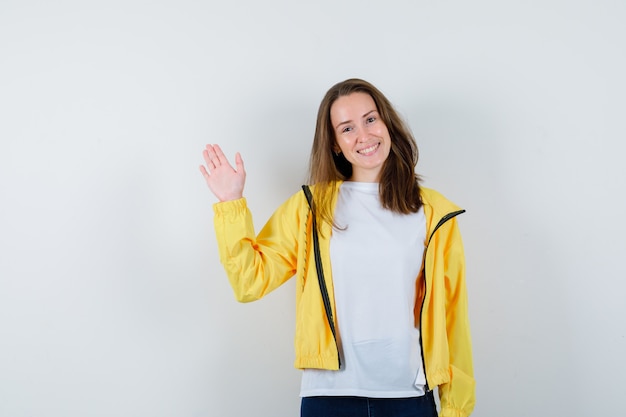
{"type": "Point", "coordinates": [398, 184]}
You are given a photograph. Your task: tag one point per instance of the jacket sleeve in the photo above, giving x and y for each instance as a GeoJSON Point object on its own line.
{"type": "Point", "coordinates": [457, 397]}
{"type": "Point", "coordinates": [256, 265]}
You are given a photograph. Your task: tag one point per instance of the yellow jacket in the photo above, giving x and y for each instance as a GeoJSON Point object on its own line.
{"type": "Point", "coordinates": [256, 265]}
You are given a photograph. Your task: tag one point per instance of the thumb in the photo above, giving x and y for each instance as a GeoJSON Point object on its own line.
{"type": "Point", "coordinates": [239, 163]}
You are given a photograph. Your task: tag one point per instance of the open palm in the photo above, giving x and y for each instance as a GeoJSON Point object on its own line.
{"type": "Point", "coordinates": [223, 180]}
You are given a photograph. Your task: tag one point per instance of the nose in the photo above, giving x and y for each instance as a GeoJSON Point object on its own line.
{"type": "Point", "coordinates": [362, 133]}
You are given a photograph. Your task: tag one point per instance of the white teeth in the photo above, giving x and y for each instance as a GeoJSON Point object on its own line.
{"type": "Point", "coordinates": [368, 150]}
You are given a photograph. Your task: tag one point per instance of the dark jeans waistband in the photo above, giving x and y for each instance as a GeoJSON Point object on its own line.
{"type": "Point", "coordinates": [329, 406]}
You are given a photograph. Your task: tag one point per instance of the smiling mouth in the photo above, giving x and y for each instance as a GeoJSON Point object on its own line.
{"type": "Point", "coordinates": [369, 150]}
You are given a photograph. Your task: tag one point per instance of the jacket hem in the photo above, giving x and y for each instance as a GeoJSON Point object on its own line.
{"type": "Point", "coordinates": [320, 362]}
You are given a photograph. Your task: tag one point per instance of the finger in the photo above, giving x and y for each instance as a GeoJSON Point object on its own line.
{"type": "Point", "coordinates": [215, 161]}
{"type": "Point", "coordinates": [219, 155]}
{"type": "Point", "coordinates": [239, 163]}
{"type": "Point", "coordinates": [210, 159]}
{"type": "Point", "coordinates": [209, 151]}
{"type": "Point", "coordinates": [204, 172]}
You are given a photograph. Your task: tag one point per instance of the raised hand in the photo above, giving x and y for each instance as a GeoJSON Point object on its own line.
{"type": "Point", "coordinates": [224, 181]}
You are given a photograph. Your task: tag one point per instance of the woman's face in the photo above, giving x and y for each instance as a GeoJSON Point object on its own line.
{"type": "Point", "coordinates": [361, 135]}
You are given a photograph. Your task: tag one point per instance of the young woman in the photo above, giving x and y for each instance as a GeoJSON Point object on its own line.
{"type": "Point", "coordinates": [381, 297]}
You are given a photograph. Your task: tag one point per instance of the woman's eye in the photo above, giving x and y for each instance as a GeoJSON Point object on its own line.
{"type": "Point", "coordinates": [371, 119]}
{"type": "Point", "coordinates": [346, 129]}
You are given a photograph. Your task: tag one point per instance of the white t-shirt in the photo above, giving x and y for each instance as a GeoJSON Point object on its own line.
{"type": "Point", "coordinates": [375, 263]}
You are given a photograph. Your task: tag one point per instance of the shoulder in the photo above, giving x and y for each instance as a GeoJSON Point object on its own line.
{"type": "Point", "coordinates": [298, 200]}
{"type": "Point", "coordinates": [437, 201]}
{"type": "Point", "coordinates": [332, 185]}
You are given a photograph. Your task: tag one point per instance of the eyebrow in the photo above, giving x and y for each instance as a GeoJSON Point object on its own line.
{"type": "Point", "coordinates": [362, 117]}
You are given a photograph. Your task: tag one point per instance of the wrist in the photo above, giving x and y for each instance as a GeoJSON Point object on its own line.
{"type": "Point", "coordinates": [230, 197]}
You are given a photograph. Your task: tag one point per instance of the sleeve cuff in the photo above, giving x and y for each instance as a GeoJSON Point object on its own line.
{"type": "Point", "coordinates": [226, 207]}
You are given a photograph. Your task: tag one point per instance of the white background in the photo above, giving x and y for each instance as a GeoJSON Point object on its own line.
{"type": "Point", "coordinates": [112, 298]}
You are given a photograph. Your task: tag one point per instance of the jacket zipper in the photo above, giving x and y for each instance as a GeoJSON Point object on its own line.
{"type": "Point", "coordinates": [327, 306]}
{"type": "Point", "coordinates": [443, 220]}
{"type": "Point", "coordinates": [320, 272]}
